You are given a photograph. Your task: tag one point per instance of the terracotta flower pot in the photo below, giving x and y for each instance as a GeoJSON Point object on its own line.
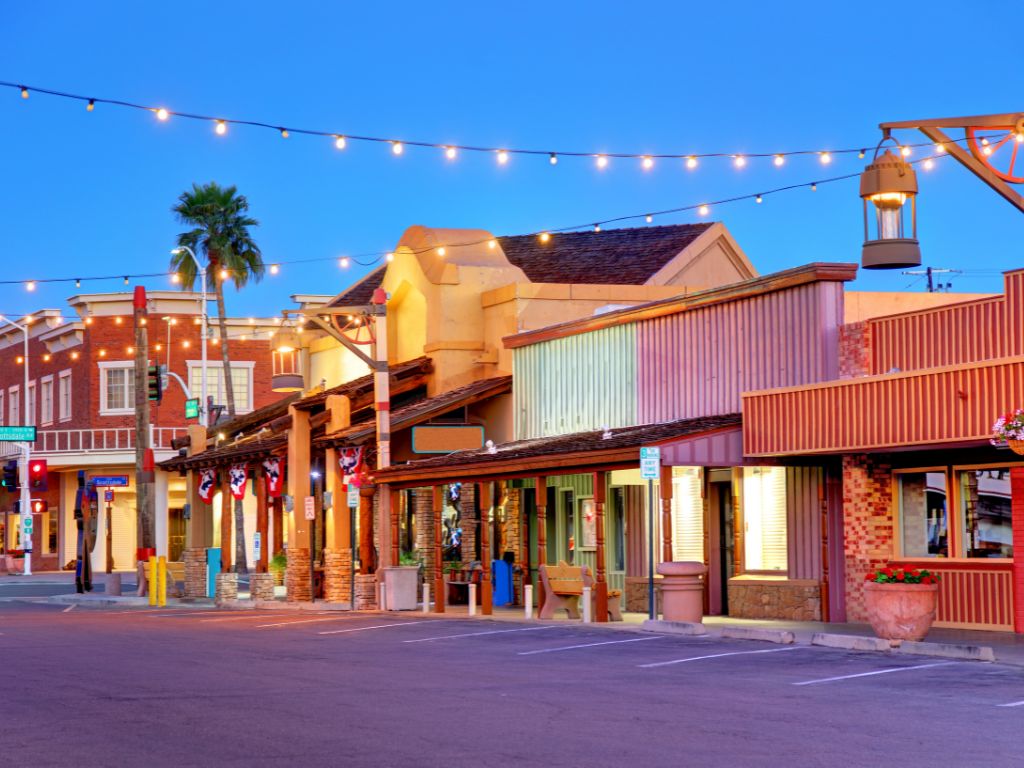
{"type": "Point", "coordinates": [15, 564]}
{"type": "Point", "coordinates": [899, 612]}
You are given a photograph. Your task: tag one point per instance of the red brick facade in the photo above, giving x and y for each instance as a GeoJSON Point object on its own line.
{"type": "Point", "coordinates": [854, 350]}
{"type": "Point", "coordinates": [867, 525]}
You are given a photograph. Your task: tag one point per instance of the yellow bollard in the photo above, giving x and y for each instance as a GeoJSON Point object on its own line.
{"type": "Point", "coordinates": [152, 580]}
{"type": "Point", "coordinates": [161, 577]}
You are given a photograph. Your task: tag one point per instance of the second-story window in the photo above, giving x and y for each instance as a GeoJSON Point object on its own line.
{"type": "Point", "coordinates": [3, 413]}
{"type": "Point", "coordinates": [30, 406]}
{"type": "Point", "coordinates": [46, 400]}
{"type": "Point", "coordinates": [14, 406]}
{"type": "Point", "coordinates": [241, 380]}
{"type": "Point", "coordinates": [117, 386]}
{"type": "Point", "coordinates": [63, 396]}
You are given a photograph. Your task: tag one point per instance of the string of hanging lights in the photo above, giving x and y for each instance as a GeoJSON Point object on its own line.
{"type": "Point", "coordinates": [451, 151]}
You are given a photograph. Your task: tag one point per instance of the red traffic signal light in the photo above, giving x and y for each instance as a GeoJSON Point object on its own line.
{"type": "Point", "coordinates": [40, 505]}
{"type": "Point", "coordinates": [37, 474]}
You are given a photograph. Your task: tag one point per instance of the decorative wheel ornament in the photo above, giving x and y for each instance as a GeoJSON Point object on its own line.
{"type": "Point", "coordinates": [1000, 148]}
{"type": "Point", "coordinates": [359, 329]}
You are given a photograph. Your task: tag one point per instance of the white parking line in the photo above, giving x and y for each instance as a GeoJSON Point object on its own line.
{"type": "Point", "coordinates": [588, 645]}
{"type": "Point", "coordinates": [478, 634]}
{"type": "Point", "coordinates": [715, 656]}
{"type": "Point", "coordinates": [305, 621]}
{"type": "Point", "coordinates": [68, 609]}
{"type": "Point", "coordinates": [876, 672]}
{"type": "Point", "coordinates": [1012, 704]}
{"type": "Point", "coordinates": [380, 626]}
{"type": "Point", "coordinates": [241, 618]}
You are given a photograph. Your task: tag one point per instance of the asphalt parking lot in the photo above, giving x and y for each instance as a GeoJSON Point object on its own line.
{"type": "Point", "coordinates": [203, 687]}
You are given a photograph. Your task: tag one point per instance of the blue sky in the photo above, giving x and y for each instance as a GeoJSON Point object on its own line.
{"type": "Point", "coordinates": [90, 193]}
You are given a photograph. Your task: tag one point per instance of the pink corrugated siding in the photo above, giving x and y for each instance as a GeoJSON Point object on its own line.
{"type": "Point", "coordinates": [697, 363]}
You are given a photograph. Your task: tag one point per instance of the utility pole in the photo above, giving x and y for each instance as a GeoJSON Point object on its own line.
{"type": "Point", "coordinates": [930, 272]}
{"type": "Point", "coordinates": [145, 533]}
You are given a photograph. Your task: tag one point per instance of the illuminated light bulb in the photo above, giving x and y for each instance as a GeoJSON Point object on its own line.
{"type": "Point", "coordinates": [186, 344]}
{"type": "Point", "coordinates": [339, 142]}
{"type": "Point", "coordinates": [19, 359]}
{"type": "Point", "coordinates": [174, 321]}
{"type": "Point", "coordinates": [905, 151]}
{"type": "Point", "coordinates": [126, 279]}
{"type": "Point", "coordinates": [602, 161]}
{"type": "Point", "coordinates": [91, 105]}
{"type": "Point", "coordinates": [597, 227]}
{"type": "Point", "coordinates": [274, 269]}
{"type": "Point", "coordinates": [861, 154]}
{"type": "Point", "coordinates": [197, 321]}
{"type": "Point", "coordinates": [343, 262]}
{"type": "Point", "coordinates": [103, 353]}
{"type": "Point", "coordinates": [216, 341]}
{"type": "Point", "coordinates": [397, 148]}
{"type": "Point", "coordinates": [221, 128]}
{"type": "Point", "coordinates": [814, 186]}
{"type": "Point", "coordinates": [759, 199]}
{"type": "Point", "coordinates": [78, 283]}
{"type": "Point", "coordinates": [544, 237]}
{"type": "Point", "coordinates": [224, 274]}
{"type": "Point", "coordinates": [492, 244]}
{"type": "Point", "coordinates": [739, 161]}
{"type": "Point", "coordinates": [647, 162]}
{"type": "Point", "coordinates": [29, 319]}
{"type": "Point", "coordinates": [1019, 138]}
{"type": "Point", "coordinates": [24, 92]}
{"type": "Point", "coordinates": [691, 162]}
{"type": "Point", "coordinates": [703, 210]}
{"type": "Point", "coordinates": [389, 257]}
{"type": "Point", "coordinates": [88, 321]}
{"type": "Point", "coordinates": [144, 321]}
{"type": "Point", "coordinates": [130, 350]}
{"type": "Point", "coordinates": [553, 159]}
{"type": "Point", "coordinates": [648, 218]}
{"type": "Point", "coordinates": [984, 142]}
{"type": "Point", "coordinates": [118, 320]}
{"type": "Point", "coordinates": [441, 251]}
{"type": "Point", "coordinates": [779, 160]}
{"type": "Point", "coordinates": [502, 157]}
{"type": "Point", "coordinates": [30, 285]}
{"type": "Point", "coordinates": [450, 153]}
{"type": "Point", "coordinates": [46, 358]}
{"type": "Point", "coordinates": [940, 148]}
{"type": "Point", "coordinates": [986, 150]}
{"type": "Point", "coordinates": [252, 321]}
{"type": "Point", "coordinates": [825, 158]}
{"type": "Point", "coordinates": [276, 320]}
{"type": "Point", "coordinates": [175, 278]}
{"type": "Point", "coordinates": [158, 347]}
{"type": "Point", "coordinates": [284, 133]}
{"type": "Point", "coordinates": [74, 355]}
{"type": "Point", "coordinates": [162, 114]}
{"type": "Point", "coordinates": [929, 164]}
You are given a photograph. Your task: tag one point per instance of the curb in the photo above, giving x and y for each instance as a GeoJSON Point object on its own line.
{"type": "Point", "coordinates": [948, 651]}
{"type": "Point", "coordinates": [99, 601]}
{"type": "Point", "coordinates": [673, 627]}
{"type": "Point", "coordinates": [850, 642]}
{"type": "Point", "coordinates": [780, 636]}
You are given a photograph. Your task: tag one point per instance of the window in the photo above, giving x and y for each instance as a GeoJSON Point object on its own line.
{"type": "Point", "coordinates": [986, 514]}
{"type": "Point", "coordinates": [117, 387]}
{"type": "Point", "coordinates": [14, 406]}
{"type": "Point", "coordinates": [687, 515]}
{"type": "Point", "coordinates": [241, 380]}
{"type": "Point", "coordinates": [63, 396]}
{"type": "Point", "coordinates": [764, 518]}
{"type": "Point", "coordinates": [924, 519]}
{"type": "Point", "coordinates": [46, 400]}
{"type": "Point", "coordinates": [30, 406]}
{"type": "Point", "coordinates": [2, 411]}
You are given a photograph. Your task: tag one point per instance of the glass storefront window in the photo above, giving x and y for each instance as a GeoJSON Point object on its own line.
{"type": "Point", "coordinates": [764, 519]}
{"type": "Point", "coordinates": [687, 515]}
{"type": "Point", "coordinates": [924, 520]}
{"type": "Point", "coordinates": [986, 514]}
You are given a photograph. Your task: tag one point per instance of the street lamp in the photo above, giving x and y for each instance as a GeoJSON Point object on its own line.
{"type": "Point", "coordinates": [26, 493]}
{"type": "Point", "coordinates": [284, 353]}
{"type": "Point", "coordinates": [888, 183]}
{"type": "Point", "coordinates": [204, 412]}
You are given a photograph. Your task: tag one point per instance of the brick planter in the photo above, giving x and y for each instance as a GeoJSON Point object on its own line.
{"type": "Point", "coordinates": [226, 589]}
{"type": "Point", "coordinates": [261, 586]}
{"type": "Point", "coordinates": [338, 575]}
{"type": "Point", "coordinates": [195, 572]}
{"type": "Point", "coordinates": [366, 592]}
{"type": "Point", "coordinates": [299, 590]}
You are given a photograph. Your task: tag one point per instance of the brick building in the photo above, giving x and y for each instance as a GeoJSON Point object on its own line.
{"type": "Point", "coordinates": [81, 399]}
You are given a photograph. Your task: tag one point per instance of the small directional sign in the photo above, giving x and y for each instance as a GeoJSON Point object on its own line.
{"type": "Point", "coordinates": [192, 408]}
{"type": "Point", "coordinates": [310, 508]}
{"type": "Point", "coordinates": [650, 463]}
{"type": "Point", "coordinates": [17, 434]}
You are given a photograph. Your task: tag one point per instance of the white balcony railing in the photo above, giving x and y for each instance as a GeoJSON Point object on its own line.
{"type": "Point", "coordinates": [101, 440]}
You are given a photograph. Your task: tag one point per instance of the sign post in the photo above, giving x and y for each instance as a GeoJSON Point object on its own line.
{"type": "Point", "coordinates": [650, 469]}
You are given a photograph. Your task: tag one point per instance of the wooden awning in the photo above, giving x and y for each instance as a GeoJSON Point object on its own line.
{"type": "Point", "coordinates": [244, 452]}
{"type": "Point", "coordinates": [404, 377]}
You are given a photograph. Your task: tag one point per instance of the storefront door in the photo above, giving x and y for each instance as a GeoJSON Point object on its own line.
{"type": "Point", "coordinates": [721, 546]}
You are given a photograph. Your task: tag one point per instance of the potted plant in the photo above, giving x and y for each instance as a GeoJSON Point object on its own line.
{"type": "Point", "coordinates": [15, 560]}
{"type": "Point", "coordinates": [1010, 428]}
{"type": "Point", "coordinates": [900, 602]}
{"type": "Point", "coordinates": [401, 583]}
{"type": "Point", "coordinates": [277, 566]}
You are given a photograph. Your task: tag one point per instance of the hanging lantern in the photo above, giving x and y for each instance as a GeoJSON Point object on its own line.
{"type": "Point", "coordinates": [284, 352]}
{"type": "Point", "coordinates": [889, 184]}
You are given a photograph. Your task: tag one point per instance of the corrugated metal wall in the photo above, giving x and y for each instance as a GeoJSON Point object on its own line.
{"type": "Point", "coordinates": [697, 363]}
{"type": "Point", "coordinates": [803, 521]}
{"type": "Point", "coordinates": [940, 405]}
{"type": "Point", "coordinates": [572, 384]}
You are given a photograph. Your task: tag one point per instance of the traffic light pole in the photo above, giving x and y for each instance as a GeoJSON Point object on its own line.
{"type": "Point", "coordinates": [26, 456]}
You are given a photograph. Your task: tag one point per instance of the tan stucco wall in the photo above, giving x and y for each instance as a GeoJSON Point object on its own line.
{"type": "Point", "coordinates": [864, 305]}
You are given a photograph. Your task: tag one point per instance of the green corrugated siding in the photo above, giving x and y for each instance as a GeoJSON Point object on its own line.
{"type": "Point", "coordinates": [580, 382]}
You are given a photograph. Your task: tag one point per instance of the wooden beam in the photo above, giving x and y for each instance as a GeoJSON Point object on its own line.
{"type": "Point", "coordinates": [665, 491]}
{"type": "Point", "coordinates": [261, 517]}
{"type": "Point", "coordinates": [975, 166]}
{"type": "Point", "coordinates": [396, 554]}
{"type": "Point", "coordinates": [278, 523]}
{"type": "Point", "coordinates": [600, 577]}
{"type": "Point", "coordinates": [541, 494]}
{"type": "Point", "coordinates": [437, 498]}
{"type": "Point", "coordinates": [485, 495]}
{"type": "Point", "coordinates": [367, 558]}
{"type": "Point", "coordinates": [226, 519]}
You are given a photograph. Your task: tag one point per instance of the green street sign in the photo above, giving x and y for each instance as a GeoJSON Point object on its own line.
{"type": "Point", "coordinates": [192, 408]}
{"type": "Point", "coordinates": [17, 434]}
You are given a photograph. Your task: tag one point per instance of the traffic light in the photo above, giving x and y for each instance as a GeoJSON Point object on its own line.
{"type": "Point", "coordinates": [40, 505]}
{"type": "Point", "coordinates": [154, 383]}
{"type": "Point", "coordinates": [37, 474]}
{"type": "Point", "coordinates": [10, 478]}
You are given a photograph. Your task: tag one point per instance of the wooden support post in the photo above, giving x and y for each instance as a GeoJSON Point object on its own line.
{"type": "Point", "coordinates": [226, 519]}
{"type": "Point", "coordinates": [665, 490]}
{"type": "Point", "coordinates": [541, 493]}
{"type": "Point", "coordinates": [438, 505]}
{"type": "Point", "coordinates": [261, 518]}
{"type": "Point", "coordinates": [485, 495]}
{"type": "Point", "coordinates": [278, 524]}
{"type": "Point", "coordinates": [823, 507]}
{"type": "Point", "coordinates": [600, 583]}
{"type": "Point", "coordinates": [396, 502]}
{"type": "Point", "coordinates": [299, 441]}
{"type": "Point", "coordinates": [367, 557]}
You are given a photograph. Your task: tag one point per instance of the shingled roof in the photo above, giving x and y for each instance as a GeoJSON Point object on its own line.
{"type": "Point", "coordinates": [361, 292]}
{"type": "Point", "coordinates": [231, 453]}
{"type": "Point", "coordinates": [613, 256]}
{"type": "Point", "coordinates": [399, 375]}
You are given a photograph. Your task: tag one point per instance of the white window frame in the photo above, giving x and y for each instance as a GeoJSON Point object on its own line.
{"type": "Point", "coordinates": [104, 367]}
{"type": "Point", "coordinates": [14, 404]}
{"type": "Point", "coordinates": [3, 406]}
{"type": "Point", "coordinates": [62, 378]}
{"type": "Point", "coordinates": [32, 403]}
{"type": "Point", "coordinates": [46, 402]}
{"type": "Point", "coordinates": [216, 368]}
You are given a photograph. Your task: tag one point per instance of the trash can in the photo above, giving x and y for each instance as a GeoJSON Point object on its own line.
{"type": "Point", "coordinates": [682, 591]}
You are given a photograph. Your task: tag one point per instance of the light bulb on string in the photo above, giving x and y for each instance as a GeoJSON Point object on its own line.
{"type": "Point", "coordinates": [450, 153]}
{"type": "Point", "coordinates": [492, 244]}
{"type": "Point", "coordinates": [397, 148]}
{"type": "Point", "coordinates": [739, 161]}
{"type": "Point", "coordinates": [284, 133]}
{"type": "Point", "coordinates": [161, 114]}
{"type": "Point", "coordinates": [126, 280]}
{"type": "Point", "coordinates": [704, 210]}
{"type": "Point", "coordinates": [343, 262]}
{"type": "Point", "coordinates": [648, 218]}
{"type": "Point", "coordinates": [553, 159]}
{"type": "Point", "coordinates": [91, 105]}
{"type": "Point", "coordinates": [825, 158]}
{"type": "Point", "coordinates": [814, 186]}
{"type": "Point", "coordinates": [78, 283]}
{"type": "Point", "coordinates": [759, 199]}
{"type": "Point", "coordinates": [597, 227]}
{"type": "Point", "coordinates": [861, 154]}
{"type": "Point", "coordinates": [984, 142]}
{"type": "Point", "coordinates": [274, 269]}
{"type": "Point", "coordinates": [940, 148]}
{"type": "Point", "coordinates": [221, 128]}
{"type": "Point", "coordinates": [175, 278]}
{"type": "Point", "coordinates": [502, 157]}
{"type": "Point", "coordinates": [24, 92]}
{"type": "Point", "coordinates": [602, 161]}
{"type": "Point", "coordinates": [647, 162]}
{"type": "Point", "coordinates": [929, 164]}
{"type": "Point", "coordinates": [441, 251]}
{"type": "Point", "coordinates": [905, 151]}
{"type": "Point", "coordinates": [778, 160]}
{"type": "Point", "coordinates": [224, 274]}
{"type": "Point", "coordinates": [389, 257]}
{"type": "Point", "coordinates": [545, 237]}
{"type": "Point", "coordinates": [103, 353]}
{"type": "Point", "coordinates": [986, 150]}
{"type": "Point", "coordinates": [30, 285]}
{"type": "Point", "coordinates": [339, 142]}
{"type": "Point", "coordinates": [74, 355]}
{"type": "Point", "coordinates": [691, 162]}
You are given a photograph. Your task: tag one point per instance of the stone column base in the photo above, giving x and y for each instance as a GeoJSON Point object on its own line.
{"type": "Point", "coordinates": [226, 590]}
{"type": "Point", "coordinates": [338, 575]}
{"type": "Point", "coordinates": [366, 592]}
{"type": "Point", "coordinates": [261, 586]}
{"type": "Point", "coordinates": [195, 571]}
{"type": "Point", "coordinates": [299, 590]}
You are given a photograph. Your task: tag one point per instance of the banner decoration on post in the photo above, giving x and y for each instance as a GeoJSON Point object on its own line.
{"type": "Point", "coordinates": [238, 478]}
{"type": "Point", "coordinates": [272, 474]}
{"type": "Point", "coordinates": [207, 485]}
{"type": "Point", "coordinates": [351, 462]}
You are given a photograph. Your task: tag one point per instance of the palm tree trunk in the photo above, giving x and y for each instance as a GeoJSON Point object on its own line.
{"type": "Point", "coordinates": [241, 564]}
{"type": "Point", "coordinates": [222, 321]}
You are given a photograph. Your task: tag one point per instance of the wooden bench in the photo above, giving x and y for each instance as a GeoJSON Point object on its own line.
{"type": "Point", "coordinates": [563, 588]}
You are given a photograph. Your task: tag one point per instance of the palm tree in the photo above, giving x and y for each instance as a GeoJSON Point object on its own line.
{"type": "Point", "coordinates": [220, 234]}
